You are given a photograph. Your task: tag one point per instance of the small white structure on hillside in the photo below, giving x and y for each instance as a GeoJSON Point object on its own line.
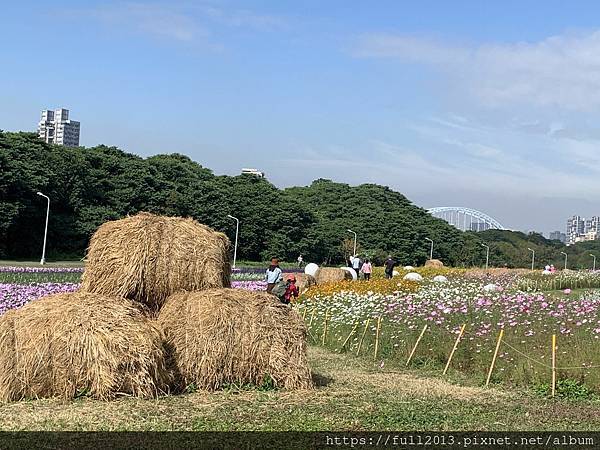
{"type": "Point", "coordinates": [255, 172]}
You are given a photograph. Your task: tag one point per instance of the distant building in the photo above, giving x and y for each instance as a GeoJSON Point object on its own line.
{"type": "Point", "coordinates": [580, 229]}
{"type": "Point", "coordinates": [254, 172]}
{"type": "Point", "coordinates": [575, 227]}
{"type": "Point", "coordinates": [589, 236]}
{"type": "Point", "coordinates": [56, 128]}
{"type": "Point", "coordinates": [558, 236]}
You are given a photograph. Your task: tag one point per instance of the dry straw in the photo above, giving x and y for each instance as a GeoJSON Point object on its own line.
{"type": "Point", "coordinates": [75, 344]}
{"type": "Point", "coordinates": [303, 280]}
{"type": "Point", "coordinates": [331, 275]}
{"type": "Point", "coordinates": [228, 336]}
{"type": "Point", "coordinates": [434, 263]}
{"type": "Point", "coordinates": [146, 258]}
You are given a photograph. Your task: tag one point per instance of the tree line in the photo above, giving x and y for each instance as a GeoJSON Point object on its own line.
{"type": "Point", "coordinates": [88, 186]}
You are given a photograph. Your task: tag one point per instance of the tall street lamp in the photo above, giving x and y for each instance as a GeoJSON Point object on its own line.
{"type": "Point", "coordinates": [430, 251]}
{"type": "Point", "coordinates": [487, 255]}
{"type": "Point", "coordinates": [532, 257]}
{"type": "Point", "coordinates": [566, 258]}
{"type": "Point", "coordinates": [355, 235]}
{"type": "Point", "coordinates": [43, 260]}
{"type": "Point", "coordinates": [237, 231]}
{"type": "Point", "coordinates": [594, 256]}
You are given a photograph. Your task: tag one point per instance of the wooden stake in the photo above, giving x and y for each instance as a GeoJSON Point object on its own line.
{"type": "Point", "coordinates": [462, 330]}
{"type": "Point", "coordinates": [362, 338]}
{"type": "Point", "coordinates": [325, 326]}
{"type": "Point", "coordinates": [312, 316]}
{"type": "Point", "coordinates": [487, 382]}
{"type": "Point", "coordinates": [553, 365]}
{"type": "Point", "coordinates": [304, 314]}
{"type": "Point", "coordinates": [350, 335]}
{"type": "Point", "coordinates": [416, 344]}
{"type": "Point", "coordinates": [377, 339]}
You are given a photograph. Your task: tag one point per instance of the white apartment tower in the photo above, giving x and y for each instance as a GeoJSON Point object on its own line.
{"type": "Point", "coordinates": [56, 128]}
{"type": "Point", "coordinates": [575, 228]}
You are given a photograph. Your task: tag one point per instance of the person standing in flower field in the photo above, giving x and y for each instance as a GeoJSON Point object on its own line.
{"type": "Point", "coordinates": [273, 275]}
{"type": "Point", "coordinates": [356, 265]}
{"type": "Point", "coordinates": [300, 260]}
{"type": "Point", "coordinates": [389, 267]}
{"type": "Point", "coordinates": [366, 270]}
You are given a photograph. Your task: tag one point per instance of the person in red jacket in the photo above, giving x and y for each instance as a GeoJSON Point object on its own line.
{"type": "Point", "coordinates": [291, 290]}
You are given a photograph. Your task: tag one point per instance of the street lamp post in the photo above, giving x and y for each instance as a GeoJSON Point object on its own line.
{"type": "Point", "coordinates": [487, 255]}
{"type": "Point", "coordinates": [43, 260]}
{"type": "Point", "coordinates": [566, 259]}
{"type": "Point", "coordinates": [430, 251]}
{"type": "Point", "coordinates": [594, 266]}
{"type": "Point", "coordinates": [237, 231]}
{"type": "Point", "coordinates": [532, 258]}
{"type": "Point", "coordinates": [355, 235]}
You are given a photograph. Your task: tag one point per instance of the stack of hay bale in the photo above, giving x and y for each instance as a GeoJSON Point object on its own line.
{"type": "Point", "coordinates": [154, 315]}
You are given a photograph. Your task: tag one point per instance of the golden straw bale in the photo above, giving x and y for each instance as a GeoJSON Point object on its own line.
{"type": "Point", "coordinates": [146, 258]}
{"type": "Point", "coordinates": [303, 280]}
{"type": "Point", "coordinates": [74, 344]}
{"type": "Point", "coordinates": [230, 336]}
{"type": "Point", "coordinates": [331, 275]}
{"type": "Point", "coordinates": [434, 263]}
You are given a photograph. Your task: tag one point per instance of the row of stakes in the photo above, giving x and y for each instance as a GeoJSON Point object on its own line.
{"type": "Point", "coordinates": [414, 349]}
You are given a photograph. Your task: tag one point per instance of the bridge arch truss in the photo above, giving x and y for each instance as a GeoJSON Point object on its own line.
{"type": "Point", "coordinates": [466, 218]}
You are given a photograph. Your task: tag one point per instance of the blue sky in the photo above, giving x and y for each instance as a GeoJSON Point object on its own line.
{"type": "Point", "coordinates": [490, 106]}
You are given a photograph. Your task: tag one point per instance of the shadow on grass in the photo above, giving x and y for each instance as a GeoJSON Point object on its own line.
{"type": "Point", "coordinates": [321, 380]}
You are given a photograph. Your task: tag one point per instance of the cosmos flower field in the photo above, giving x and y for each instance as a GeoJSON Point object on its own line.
{"type": "Point", "coordinates": [528, 307]}
{"type": "Point", "coordinates": [528, 316]}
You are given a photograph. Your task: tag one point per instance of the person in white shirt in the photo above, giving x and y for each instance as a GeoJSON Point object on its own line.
{"type": "Point", "coordinates": [300, 260]}
{"type": "Point", "coordinates": [356, 265]}
{"type": "Point", "coordinates": [273, 274]}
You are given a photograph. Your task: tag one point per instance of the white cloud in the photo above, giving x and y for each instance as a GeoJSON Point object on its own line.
{"type": "Point", "coordinates": [246, 19]}
{"type": "Point", "coordinates": [181, 22]}
{"type": "Point", "coordinates": [153, 19]}
{"type": "Point", "coordinates": [561, 71]}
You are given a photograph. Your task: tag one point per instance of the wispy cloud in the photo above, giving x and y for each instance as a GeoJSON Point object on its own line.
{"type": "Point", "coordinates": [182, 22]}
{"type": "Point", "coordinates": [561, 71]}
{"type": "Point", "coordinates": [152, 19]}
{"type": "Point", "coordinates": [246, 19]}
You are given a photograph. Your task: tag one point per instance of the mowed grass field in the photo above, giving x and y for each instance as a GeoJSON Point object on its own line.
{"type": "Point", "coordinates": [9, 263]}
{"type": "Point", "coordinates": [353, 394]}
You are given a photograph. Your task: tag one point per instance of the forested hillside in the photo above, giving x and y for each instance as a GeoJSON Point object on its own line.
{"type": "Point", "coordinates": [88, 186]}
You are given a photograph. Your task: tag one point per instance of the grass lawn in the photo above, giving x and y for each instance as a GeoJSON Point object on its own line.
{"type": "Point", "coordinates": [353, 394]}
{"type": "Point", "coordinates": [37, 263]}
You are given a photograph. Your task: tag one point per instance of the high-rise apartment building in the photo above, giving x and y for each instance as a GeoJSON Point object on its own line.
{"type": "Point", "coordinates": [580, 229]}
{"type": "Point", "coordinates": [56, 128]}
{"type": "Point", "coordinates": [575, 227]}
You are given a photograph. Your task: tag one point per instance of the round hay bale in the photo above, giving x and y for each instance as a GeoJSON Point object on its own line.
{"type": "Point", "coordinates": [352, 272]}
{"type": "Point", "coordinates": [395, 273]}
{"type": "Point", "coordinates": [440, 279]}
{"type": "Point", "coordinates": [332, 274]}
{"type": "Point", "coordinates": [303, 281]}
{"type": "Point", "coordinates": [311, 269]}
{"type": "Point", "coordinates": [223, 336]}
{"type": "Point", "coordinates": [434, 263]}
{"type": "Point", "coordinates": [146, 258]}
{"type": "Point", "coordinates": [74, 344]}
{"type": "Point", "coordinates": [413, 276]}
{"type": "Point", "coordinates": [409, 268]}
